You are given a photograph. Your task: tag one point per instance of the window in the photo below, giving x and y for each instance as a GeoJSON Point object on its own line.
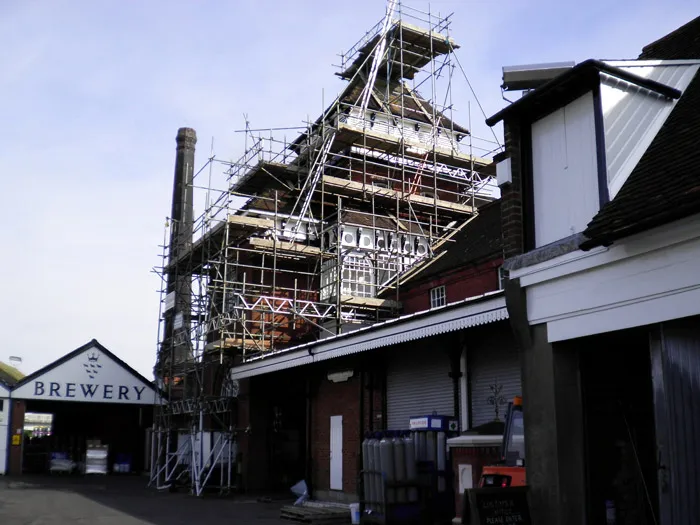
{"type": "Point", "coordinates": [437, 297]}
{"type": "Point", "coordinates": [2, 405]}
{"type": "Point", "coordinates": [501, 278]}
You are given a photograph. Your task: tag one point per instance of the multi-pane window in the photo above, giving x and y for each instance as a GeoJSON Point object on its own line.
{"type": "Point", "coordinates": [437, 297]}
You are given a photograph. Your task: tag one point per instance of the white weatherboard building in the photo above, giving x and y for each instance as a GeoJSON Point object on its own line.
{"type": "Point", "coordinates": [602, 227]}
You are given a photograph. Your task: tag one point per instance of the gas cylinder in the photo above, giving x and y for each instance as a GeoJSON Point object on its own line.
{"type": "Point", "coordinates": [399, 467]}
{"type": "Point", "coordinates": [411, 470]}
{"type": "Point", "coordinates": [378, 485]}
{"type": "Point", "coordinates": [366, 477]}
{"type": "Point", "coordinates": [441, 460]}
{"type": "Point", "coordinates": [386, 450]}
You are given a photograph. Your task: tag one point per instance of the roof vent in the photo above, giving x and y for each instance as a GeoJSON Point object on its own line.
{"type": "Point", "coordinates": [531, 76]}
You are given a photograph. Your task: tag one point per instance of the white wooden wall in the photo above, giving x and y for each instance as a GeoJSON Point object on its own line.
{"type": "Point", "coordinates": [565, 174]}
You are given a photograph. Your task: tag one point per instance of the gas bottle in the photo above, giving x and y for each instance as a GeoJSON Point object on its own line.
{"type": "Point", "coordinates": [370, 477]}
{"type": "Point", "coordinates": [399, 467]}
{"type": "Point", "coordinates": [377, 477]}
{"type": "Point", "coordinates": [386, 449]}
{"type": "Point", "coordinates": [441, 460]}
{"type": "Point", "coordinates": [366, 460]}
{"type": "Point", "coordinates": [411, 470]}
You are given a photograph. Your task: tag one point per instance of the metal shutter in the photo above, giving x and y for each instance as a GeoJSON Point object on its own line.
{"type": "Point", "coordinates": [493, 361]}
{"type": "Point", "coordinates": [418, 383]}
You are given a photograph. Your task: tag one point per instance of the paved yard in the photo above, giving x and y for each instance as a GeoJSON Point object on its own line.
{"type": "Point", "coordinates": [121, 501]}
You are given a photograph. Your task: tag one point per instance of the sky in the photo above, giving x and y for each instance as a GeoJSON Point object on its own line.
{"type": "Point", "coordinates": [92, 95]}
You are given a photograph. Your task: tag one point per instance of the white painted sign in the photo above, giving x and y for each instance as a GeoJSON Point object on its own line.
{"type": "Point", "coordinates": [169, 301]}
{"type": "Point", "coordinates": [90, 376]}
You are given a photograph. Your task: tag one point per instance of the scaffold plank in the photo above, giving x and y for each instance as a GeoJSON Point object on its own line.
{"type": "Point", "coordinates": [285, 246]}
{"type": "Point", "coordinates": [369, 301]}
{"type": "Point", "coordinates": [252, 222]}
{"type": "Point", "coordinates": [378, 140]}
{"type": "Point", "coordinates": [331, 183]}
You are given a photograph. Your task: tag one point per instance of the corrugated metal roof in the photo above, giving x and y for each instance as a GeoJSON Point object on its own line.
{"type": "Point", "coordinates": [633, 115]}
{"type": "Point", "coordinates": [483, 309]}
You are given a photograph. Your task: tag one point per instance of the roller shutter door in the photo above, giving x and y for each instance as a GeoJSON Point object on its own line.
{"type": "Point", "coordinates": [418, 383]}
{"type": "Point", "coordinates": [493, 363]}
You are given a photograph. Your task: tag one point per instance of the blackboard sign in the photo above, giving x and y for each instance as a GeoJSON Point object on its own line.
{"type": "Point", "coordinates": [496, 506]}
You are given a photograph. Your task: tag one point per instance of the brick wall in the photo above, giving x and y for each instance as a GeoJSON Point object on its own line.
{"type": "Point", "coordinates": [16, 423]}
{"type": "Point", "coordinates": [477, 457]}
{"type": "Point", "coordinates": [336, 399]}
{"type": "Point", "coordinates": [342, 399]}
{"type": "Point", "coordinates": [460, 284]}
{"type": "Point", "coordinates": [511, 195]}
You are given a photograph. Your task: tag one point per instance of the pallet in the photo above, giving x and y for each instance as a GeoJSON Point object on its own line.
{"type": "Point", "coordinates": [315, 515]}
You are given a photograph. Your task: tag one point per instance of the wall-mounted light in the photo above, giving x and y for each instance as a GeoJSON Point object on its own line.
{"type": "Point", "coordinates": [340, 377]}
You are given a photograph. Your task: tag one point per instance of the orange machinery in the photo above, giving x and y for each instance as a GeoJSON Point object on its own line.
{"type": "Point", "coordinates": [510, 472]}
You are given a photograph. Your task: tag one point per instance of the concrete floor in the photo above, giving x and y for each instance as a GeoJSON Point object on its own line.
{"type": "Point", "coordinates": [121, 501]}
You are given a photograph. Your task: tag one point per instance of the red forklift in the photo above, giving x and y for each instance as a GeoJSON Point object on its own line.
{"type": "Point", "coordinates": [510, 471]}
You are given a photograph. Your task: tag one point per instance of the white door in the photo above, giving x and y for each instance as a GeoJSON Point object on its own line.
{"type": "Point", "coordinates": [336, 452]}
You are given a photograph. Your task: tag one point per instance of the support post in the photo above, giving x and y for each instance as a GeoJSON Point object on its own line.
{"type": "Point", "coordinates": [553, 418]}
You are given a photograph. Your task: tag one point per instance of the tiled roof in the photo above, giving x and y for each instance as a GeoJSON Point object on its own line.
{"type": "Point", "coordinates": [665, 184]}
{"type": "Point", "coordinates": [479, 241]}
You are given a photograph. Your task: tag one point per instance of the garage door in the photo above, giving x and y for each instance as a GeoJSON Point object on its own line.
{"type": "Point", "coordinates": [418, 383]}
{"type": "Point", "coordinates": [494, 374]}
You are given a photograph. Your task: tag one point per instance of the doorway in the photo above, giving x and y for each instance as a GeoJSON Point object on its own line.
{"type": "Point", "coordinates": [619, 428]}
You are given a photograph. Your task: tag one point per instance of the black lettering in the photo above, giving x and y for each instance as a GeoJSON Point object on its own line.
{"type": "Point", "coordinates": [70, 389]}
{"type": "Point", "coordinates": [107, 390]}
{"type": "Point", "coordinates": [53, 389]}
{"type": "Point", "coordinates": [38, 388]}
{"type": "Point", "coordinates": [89, 389]}
{"type": "Point", "coordinates": [139, 391]}
{"type": "Point", "coordinates": [123, 392]}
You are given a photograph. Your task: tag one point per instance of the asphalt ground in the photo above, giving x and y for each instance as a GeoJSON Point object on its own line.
{"type": "Point", "coordinates": [114, 500]}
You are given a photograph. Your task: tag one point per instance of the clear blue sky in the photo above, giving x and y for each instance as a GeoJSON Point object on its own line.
{"type": "Point", "coordinates": [93, 92]}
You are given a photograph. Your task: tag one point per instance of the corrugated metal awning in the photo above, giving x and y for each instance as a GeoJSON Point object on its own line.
{"type": "Point", "coordinates": [487, 308]}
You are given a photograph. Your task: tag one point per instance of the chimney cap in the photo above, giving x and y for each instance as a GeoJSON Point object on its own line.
{"type": "Point", "coordinates": [186, 135]}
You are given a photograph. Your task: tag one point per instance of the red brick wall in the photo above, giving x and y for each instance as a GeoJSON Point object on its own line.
{"type": "Point", "coordinates": [477, 457]}
{"type": "Point", "coordinates": [336, 399]}
{"type": "Point", "coordinates": [512, 195]}
{"type": "Point", "coordinates": [18, 408]}
{"type": "Point", "coordinates": [460, 284]}
{"type": "Point", "coordinates": [342, 399]}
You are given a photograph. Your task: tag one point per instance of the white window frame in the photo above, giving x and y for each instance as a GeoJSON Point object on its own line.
{"type": "Point", "coordinates": [438, 296]}
{"type": "Point", "coordinates": [501, 278]}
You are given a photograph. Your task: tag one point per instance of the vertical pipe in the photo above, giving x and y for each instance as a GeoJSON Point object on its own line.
{"type": "Point", "coordinates": [361, 433]}
{"type": "Point", "coordinates": [309, 458]}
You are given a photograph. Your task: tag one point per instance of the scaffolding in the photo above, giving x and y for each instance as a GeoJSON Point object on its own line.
{"type": "Point", "coordinates": [311, 238]}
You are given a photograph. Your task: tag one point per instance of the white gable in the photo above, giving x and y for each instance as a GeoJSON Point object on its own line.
{"type": "Point", "coordinates": [633, 115]}
{"type": "Point", "coordinates": [90, 376]}
{"type": "Point", "coordinates": [4, 392]}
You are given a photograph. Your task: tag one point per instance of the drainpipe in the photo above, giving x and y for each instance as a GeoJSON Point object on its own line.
{"type": "Point", "coordinates": [456, 374]}
{"type": "Point", "coordinates": [309, 462]}
{"type": "Point", "coordinates": [361, 428]}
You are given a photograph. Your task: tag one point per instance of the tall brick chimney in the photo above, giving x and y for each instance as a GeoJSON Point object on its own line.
{"type": "Point", "coordinates": [177, 316]}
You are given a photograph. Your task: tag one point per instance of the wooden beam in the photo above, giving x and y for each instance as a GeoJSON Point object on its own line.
{"type": "Point", "coordinates": [253, 222]}
{"type": "Point", "coordinates": [388, 193]}
{"type": "Point", "coordinates": [284, 246]}
{"type": "Point", "coordinates": [369, 301]}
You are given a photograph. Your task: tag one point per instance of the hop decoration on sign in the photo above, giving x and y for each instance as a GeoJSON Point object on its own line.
{"type": "Point", "coordinates": [92, 367]}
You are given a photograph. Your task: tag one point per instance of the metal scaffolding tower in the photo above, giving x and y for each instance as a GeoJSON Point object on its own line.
{"type": "Point", "coordinates": [310, 239]}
